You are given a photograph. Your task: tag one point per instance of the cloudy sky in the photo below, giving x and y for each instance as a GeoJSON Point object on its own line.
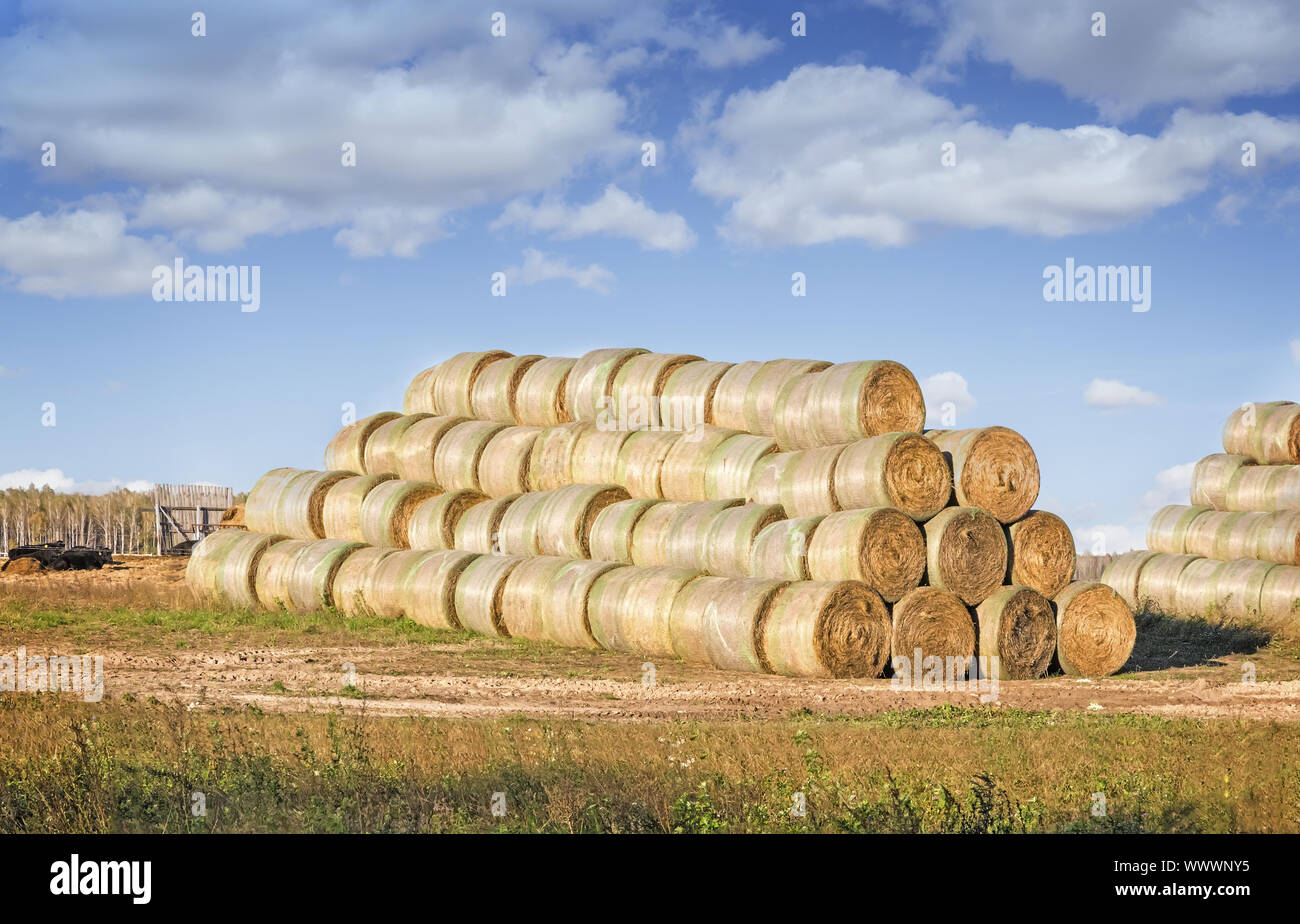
{"type": "Point", "coordinates": [921, 162]}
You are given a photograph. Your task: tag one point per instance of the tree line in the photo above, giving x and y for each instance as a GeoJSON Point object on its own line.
{"type": "Point", "coordinates": [122, 520]}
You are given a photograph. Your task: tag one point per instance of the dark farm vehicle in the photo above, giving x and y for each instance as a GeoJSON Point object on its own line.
{"type": "Point", "coordinates": [55, 556]}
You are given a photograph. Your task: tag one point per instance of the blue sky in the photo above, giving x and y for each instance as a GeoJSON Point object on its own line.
{"type": "Point", "coordinates": [776, 154]}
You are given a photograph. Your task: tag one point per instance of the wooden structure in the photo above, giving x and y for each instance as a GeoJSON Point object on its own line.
{"type": "Point", "coordinates": [185, 513]}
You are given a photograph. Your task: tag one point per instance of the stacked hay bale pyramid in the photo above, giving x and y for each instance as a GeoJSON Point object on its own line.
{"type": "Point", "coordinates": [1232, 553]}
{"type": "Point", "coordinates": [785, 516]}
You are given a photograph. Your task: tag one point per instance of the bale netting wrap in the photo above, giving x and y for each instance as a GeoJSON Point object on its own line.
{"type": "Point", "coordinates": [1041, 551]}
{"type": "Point", "coordinates": [903, 470]}
{"type": "Point", "coordinates": [1194, 590]}
{"type": "Point", "coordinates": [517, 534]}
{"type": "Point", "coordinates": [311, 575]}
{"type": "Point", "coordinates": [565, 603]}
{"type": "Point", "coordinates": [1158, 582]}
{"type": "Point", "coordinates": [629, 609]}
{"type": "Point", "coordinates": [781, 549]}
{"type": "Point", "coordinates": [610, 538]}
{"type": "Point", "coordinates": [456, 458]}
{"type": "Point", "coordinates": [1203, 533]}
{"type": "Point", "coordinates": [1246, 535]}
{"type": "Point", "coordinates": [504, 463]}
{"type": "Point", "coordinates": [419, 393]}
{"type": "Point", "coordinates": [847, 402]}
{"type": "Point", "coordinates": [495, 391]}
{"type": "Point", "coordinates": [688, 393]}
{"type": "Point", "coordinates": [806, 485]}
{"type": "Point", "coordinates": [595, 455]}
{"type": "Point", "coordinates": [299, 505]}
{"type": "Point", "coordinates": [430, 596]}
{"type": "Point", "coordinates": [274, 573]}
{"type": "Point", "coordinates": [1263, 487]}
{"type": "Point", "coordinates": [1268, 432]}
{"type": "Point", "coordinates": [346, 452]}
{"type": "Point", "coordinates": [591, 380]}
{"type": "Point", "coordinates": [432, 525]}
{"type": "Point", "coordinates": [479, 528]}
{"type": "Point", "coordinates": [930, 622]}
{"type": "Point", "coordinates": [539, 399]}
{"type": "Point", "coordinates": [223, 567]}
{"type": "Point", "coordinates": [341, 514]}
{"type": "Point", "coordinates": [880, 546]}
{"type": "Point", "coordinates": [453, 384]}
{"type": "Point", "coordinates": [480, 591]}
{"type": "Point", "coordinates": [1017, 627]}
{"type": "Point", "coordinates": [678, 541]}
{"type": "Point", "coordinates": [641, 461]}
{"type": "Point", "coordinates": [1095, 630]}
{"type": "Point", "coordinates": [719, 621]}
{"type": "Point", "coordinates": [259, 509]}
{"type": "Point", "coordinates": [382, 455]}
{"type": "Point", "coordinates": [764, 389]}
{"type": "Point", "coordinates": [567, 515]}
{"type": "Point", "coordinates": [524, 596]}
{"type": "Point", "coordinates": [353, 582]}
{"type": "Point", "coordinates": [966, 553]}
{"type": "Point", "coordinates": [1169, 526]}
{"type": "Point", "coordinates": [683, 475]}
{"type": "Point", "coordinates": [419, 445]}
{"type": "Point", "coordinates": [1279, 597]}
{"type": "Point", "coordinates": [826, 629]}
{"type": "Point", "coordinates": [386, 511]}
{"type": "Point", "coordinates": [1277, 539]}
{"type": "Point", "coordinates": [1123, 574]}
{"type": "Point", "coordinates": [993, 468]}
{"type": "Point", "coordinates": [1211, 477]}
{"type": "Point", "coordinates": [734, 464]}
{"type": "Point", "coordinates": [638, 386]}
{"type": "Point", "coordinates": [729, 542]}
{"type": "Point", "coordinates": [1239, 589]}
{"type": "Point", "coordinates": [390, 580]}
{"type": "Point", "coordinates": [728, 407]}
{"type": "Point", "coordinates": [551, 465]}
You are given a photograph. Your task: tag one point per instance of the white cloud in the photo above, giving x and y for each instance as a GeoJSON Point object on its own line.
{"type": "Point", "coordinates": [1173, 486]}
{"type": "Point", "coordinates": [1107, 539]}
{"type": "Point", "coordinates": [1112, 393]}
{"type": "Point", "coordinates": [78, 252]}
{"type": "Point", "coordinates": [56, 480]}
{"type": "Point", "coordinates": [615, 213]}
{"type": "Point", "coordinates": [538, 267]}
{"type": "Point", "coordinates": [945, 388]}
{"type": "Point", "coordinates": [1228, 209]}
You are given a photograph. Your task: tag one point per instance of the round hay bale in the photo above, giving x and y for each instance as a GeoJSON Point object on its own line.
{"type": "Point", "coordinates": [387, 592]}
{"type": "Point", "coordinates": [764, 485]}
{"type": "Point", "coordinates": [1123, 574]}
{"type": "Point", "coordinates": [933, 623]}
{"type": "Point", "coordinates": [382, 453]}
{"type": "Point", "coordinates": [1239, 588]}
{"type": "Point", "coordinates": [1254, 487]}
{"type": "Point", "coordinates": [517, 534]}
{"type": "Point", "coordinates": [299, 510]}
{"type": "Point", "coordinates": [1041, 552]}
{"type": "Point", "coordinates": [275, 573]}
{"type": "Point", "coordinates": [806, 485]}
{"type": "Point", "coordinates": [1017, 626]}
{"type": "Point", "coordinates": [353, 582]}
{"type": "Point", "coordinates": [1211, 477]}
{"type": "Point", "coordinates": [903, 470]}
{"type": "Point", "coordinates": [610, 538]}
{"type": "Point", "coordinates": [734, 464]}
{"type": "Point", "coordinates": [503, 466]}
{"type": "Point", "coordinates": [419, 446]}
{"type": "Point", "coordinates": [1277, 538]}
{"type": "Point", "coordinates": [311, 577]}
{"type": "Point", "coordinates": [418, 398]}
{"type": "Point", "coordinates": [386, 511]}
{"type": "Point", "coordinates": [456, 458]}
{"type": "Point", "coordinates": [453, 384]}
{"type": "Point", "coordinates": [591, 381]}
{"type": "Point", "coordinates": [551, 465]}
{"type": "Point", "coordinates": [1158, 581]}
{"type": "Point", "coordinates": [1194, 590]}
{"type": "Point", "coordinates": [728, 406]}
{"type": "Point", "coordinates": [675, 535]}
{"type": "Point", "coordinates": [1095, 631]}
{"type": "Point", "coordinates": [1279, 596]}
{"type": "Point", "coordinates": [223, 567]}
{"type": "Point", "coordinates": [719, 620]}
{"type": "Point", "coordinates": [1168, 529]}
{"type": "Point", "coordinates": [638, 385]}
{"type": "Point", "coordinates": [430, 593]}
{"type": "Point", "coordinates": [880, 546]}
{"type": "Point", "coordinates": [479, 529]}
{"type": "Point", "coordinates": [259, 509]}
{"type": "Point", "coordinates": [763, 392]}
{"type": "Point", "coordinates": [641, 460]}
{"type": "Point", "coordinates": [595, 455]}
{"type": "Point", "coordinates": [567, 515]}
{"type": "Point", "coordinates": [847, 402]}
{"type": "Point", "coordinates": [496, 389]}
{"type": "Point", "coordinates": [1246, 535]}
{"type": "Point", "coordinates": [1268, 432]}
{"type": "Point", "coordinates": [479, 593]}
{"type": "Point", "coordinates": [432, 526]}
{"type": "Point", "coordinates": [524, 596]}
{"type": "Point", "coordinates": [1203, 533]}
{"type": "Point", "coordinates": [780, 549]}
{"type": "Point", "coordinates": [688, 393]}
{"type": "Point", "coordinates": [1283, 490]}
{"type": "Point", "coordinates": [826, 629]}
{"type": "Point", "coordinates": [993, 468]}
{"type": "Point", "coordinates": [629, 609]}
{"type": "Point", "coordinates": [346, 452]}
{"type": "Point", "coordinates": [683, 476]}
{"type": "Point", "coordinates": [539, 398]}
{"type": "Point", "coordinates": [729, 542]}
{"type": "Point", "coordinates": [341, 513]}
{"type": "Point", "coordinates": [564, 603]}
{"type": "Point", "coordinates": [966, 553]}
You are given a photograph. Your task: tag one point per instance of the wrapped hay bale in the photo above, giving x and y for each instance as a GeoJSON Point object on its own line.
{"type": "Point", "coordinates": [1211, 477]}
{"type": "Point", "coordinates": [419, 447]}
{"type": "Point", "coordinates": [517, 534]}
{"type": "Point", "coordinates": [296, 507]}
{"type": "Point", "coordinates": [902, 470]}
{"type": "Point", "coordinates": [1258, 487]}
{"type": "Point", "coordinates": [1279, 597]}
{"type": "Point", "coordinates": [805, 481]}
{"type": "Point", "coordinates": [780, 549]}
{"type": "Point", "coordinates": [641, 460]}
{"type": "Point", "coordinates": [259, 509]}
{"type": "Point", "coordinates": [456, 458]}
{"type": "Point", "coordinates": [1203, 533]}
{"type": "Point", "coordinates": [432, 526]}
{"type": "Point", "coordinates": [1167, 532]}
{"type": "Point", "coordinates": [629, 609]}
{"type": "Point", "coordinates": [418, 398]}
{"type": "Point", "coordinates": [729, 542]}
{"type": "Point", "coordinates": [847, 402]}
{"type": "Point", "coordinates": [683, 475]}
{"type": "Point", "coordinates": [479, 529]}
{"type": "Point", "coordinates": [733, 465]}
{"type": "Point", "coordinates": [1158, 582]}
{"type": "Point", "coordinates": [480, 591]}
{"type": "Point", "coordinates": [595, 455]}
{"type": "Point", "coordinates": [1123, 575]}
{"type": "Point", "coordinates": [539, 398]}
{"type": "Point", "coordinates": [390, 582]}
{"type": "Point", "coordinates": [826, 629]}
{"type": "Point", "coordinates": [275, 573]}
{"type": "Point", "coordinates": [1268, 432]}
{"type": "Point", "coordinates": [610, 538]}
{"type": "Point", "coordinates": [728, 406]}
{"type": "Point", "coordinates": [764, 389]}
{"type": "Point", "coordinates": [430, 592]}
{"type": "Point", "coordinates": [1095, 631]}
{"type": "Point", "coordinates": [551, 465]}
{"type": "Point", "coordinates": [223, 567]}
{"type": "Point", "coordinates": [993, 468]}
{"type": "Point", "coordinates": [719, 621]}
{"type": "Point", "coordinates": [453, 384]}
{"type": "Point", "coordinates": [1041, 552]}
{"type": "Point", "coordinates": [1017, 626]}
{"type": "Point", "coordinates": [880, 546]}
{"type": "Point", "coordinates": [687, 395]}
{"type": "Point", "coordinates": [381, 454]}
{"type": "Point", "coordinates": [591, 381]}
{"type": "Point", "coordinates": [346, 452]}
{"type": "Point", "coordinates": [310, 577]}
{"type": "Point", "coordinates": [966, 553]}
{"type": "Point", "coordinates": [1194, 590]}
{"type": "Point", "coordinates": [565, 618]}
{"type": "Point", "coordinates": [567, 515]}
{"type": "Point", "coordinates": [1277, 538]}
{"type": "Point", "coordinates": [341, 513]}
{"type": "Point", "coordinates": [932, 623]}
{"type": "Point", "coordinates": [504, 463]}
{"type": "Point", "coordinates": [673, 534]}
{"type": "Point", "coordinates": [524, 596]}
{"type": "Point", "coordinates": [494, 393]}
{"type": "Point", "coordinates": [353, 582]}
{"type": "Point", "coordinates": [1239, 588]}
{"type": "Point", "coordinates": [1245, 535]}
{"type": "Point", "coordinates": [637, 388]}
{"type": "Point", "coordinates": [386, 511]}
